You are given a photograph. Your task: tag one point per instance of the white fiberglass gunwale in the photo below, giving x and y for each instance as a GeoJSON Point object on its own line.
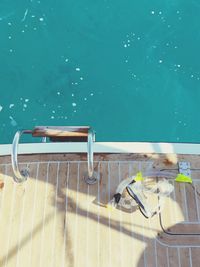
{"type": "Point", "coordinates": [104, 147]}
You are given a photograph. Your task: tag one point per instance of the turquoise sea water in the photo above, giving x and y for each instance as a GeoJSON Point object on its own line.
{"type": "Point", "coordinates": [130, 69]}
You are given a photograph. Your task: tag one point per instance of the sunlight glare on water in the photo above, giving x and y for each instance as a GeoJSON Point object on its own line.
{"type": "Point", "coordinates": [129, 68]}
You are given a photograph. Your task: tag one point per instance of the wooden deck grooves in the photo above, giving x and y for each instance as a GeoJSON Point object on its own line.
{"type": "Point", "coordinates": [55, 219]}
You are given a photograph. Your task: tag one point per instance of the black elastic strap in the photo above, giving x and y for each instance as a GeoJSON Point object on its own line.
{"type": "Point", "coordinates": [117, 197]}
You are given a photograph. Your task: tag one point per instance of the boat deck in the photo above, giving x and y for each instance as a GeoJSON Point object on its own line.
{"type": "Point", "coordinates": [56, 219]}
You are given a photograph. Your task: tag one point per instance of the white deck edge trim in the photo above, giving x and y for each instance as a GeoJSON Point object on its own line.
{"type": "Point", "coordinates": [104, 147]}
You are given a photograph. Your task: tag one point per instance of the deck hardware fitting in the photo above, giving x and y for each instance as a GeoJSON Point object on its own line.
{"type": "Point", "coordinates": [184, 168]}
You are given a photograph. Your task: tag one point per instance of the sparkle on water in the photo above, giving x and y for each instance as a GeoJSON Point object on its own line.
{"type": "Point", "coordinates": [130, 69]}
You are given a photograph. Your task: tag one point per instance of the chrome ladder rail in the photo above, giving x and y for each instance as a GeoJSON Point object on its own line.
{"type": "Point", "coordinates": [19, 176]}
{"type": "Point", "coordinates": [91, 177]}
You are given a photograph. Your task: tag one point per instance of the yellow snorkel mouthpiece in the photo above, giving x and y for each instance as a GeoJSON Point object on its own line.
{"type": "Point", "coordinates": [139, 177]}
{"type": "Point", "coordinates": [181, 178]}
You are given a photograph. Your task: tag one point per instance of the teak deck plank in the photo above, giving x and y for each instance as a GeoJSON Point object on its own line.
{"type": "Point", "coordinates": [56, 219]}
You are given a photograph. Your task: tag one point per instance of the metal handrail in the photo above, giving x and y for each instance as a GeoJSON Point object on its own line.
{"type": "Point", "coordinates": [91, 176]}
{"type": "Point", "coordinates": [90, 154]}
{"type": "Point", "coordinates": [19, 176]}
